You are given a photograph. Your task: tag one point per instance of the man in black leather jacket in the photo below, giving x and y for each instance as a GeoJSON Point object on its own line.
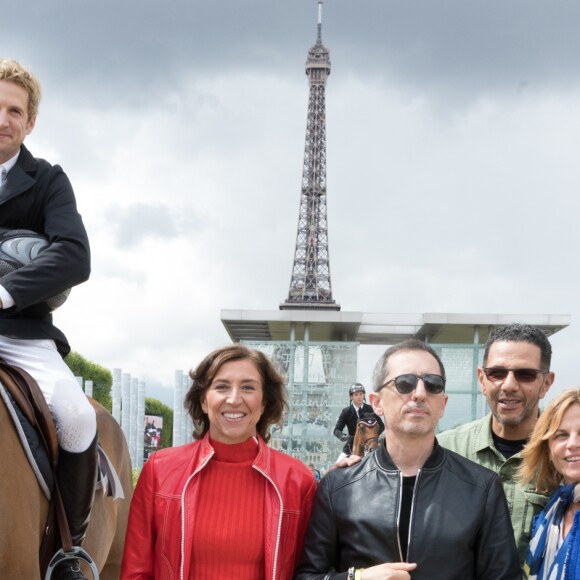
{"type": "Point", "coordinates": [411, 508]}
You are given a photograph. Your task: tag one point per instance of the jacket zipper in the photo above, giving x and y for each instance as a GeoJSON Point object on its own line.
{"type": "Point", "coordinates": [412, 513]}
{"type": "Point", "coordinates": [399, 503]}
{"type": "Point", "coordinates": [182, 502]}
{"type": "Point", "coordinates": [279, 531]}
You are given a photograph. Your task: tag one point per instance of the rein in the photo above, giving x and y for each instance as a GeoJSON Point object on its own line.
{"type": "Point", "coordinates": [367, 443]}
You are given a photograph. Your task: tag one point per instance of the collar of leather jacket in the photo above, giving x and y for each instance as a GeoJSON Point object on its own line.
{"type": "Point", "coordinates": [384, 460]}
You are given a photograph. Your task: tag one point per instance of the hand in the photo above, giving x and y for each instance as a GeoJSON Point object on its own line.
{"type": "Point", "coordinates": [345, 437]}
{"type": "Point", "coordinates": [391, 571]}
{"type": "Point", "coordinates": [348, 461]}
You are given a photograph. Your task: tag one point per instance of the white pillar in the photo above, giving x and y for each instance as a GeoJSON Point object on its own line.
{"type": "Point", "coordinates": [140, 423]}
{"type": "Point", "coordinates": [126, 404]}
{"type": "Point", "coordinates": [177, 407]}
{"type": "Point", "coordinates": [186, 421]}
{"type": "Point", "coordinates": [117, 395]}
{"type": "Point", "coordinates": [133, 420]}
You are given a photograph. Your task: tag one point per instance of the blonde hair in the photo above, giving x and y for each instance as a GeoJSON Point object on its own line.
{"type": "Point", "coordinates": [14, 72]}
{"type": "Point", "coordinates": [536, 465]}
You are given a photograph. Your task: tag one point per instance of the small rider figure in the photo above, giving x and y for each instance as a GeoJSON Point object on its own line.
{"type": "Point", "coordinates": [349, 417]}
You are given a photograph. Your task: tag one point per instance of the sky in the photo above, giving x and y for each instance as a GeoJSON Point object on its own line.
{"type": "Point", "coordinates": [453, 149]}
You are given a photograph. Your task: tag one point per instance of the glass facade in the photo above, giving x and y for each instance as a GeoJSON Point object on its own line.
{"type": "Point", "coordinates": [319, 375]}
{"type": "Point", "coordinates": [466, 402]}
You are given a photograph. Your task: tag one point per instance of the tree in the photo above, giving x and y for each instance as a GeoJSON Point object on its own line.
{"type": "Point", "coordinates": [102, 378]}
{"type": "Point", "coordinates": [156, 407]}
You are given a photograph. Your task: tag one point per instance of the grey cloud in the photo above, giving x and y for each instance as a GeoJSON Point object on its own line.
{"type": "Point", "coordinates": [430, 207]}
{"type": "Point", "coordinates": [136, 222]}
{"type": "Point", "coordinates": [131, 51]}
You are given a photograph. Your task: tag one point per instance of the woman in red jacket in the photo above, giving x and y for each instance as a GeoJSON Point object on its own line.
{"type": "Point", "coordinates": [225, 506]}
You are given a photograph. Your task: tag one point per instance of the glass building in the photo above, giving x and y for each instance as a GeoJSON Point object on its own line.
{"type": "Point", "coordinates": [319, 376]}
{"type": "Point", "coordinates": [320, 363]}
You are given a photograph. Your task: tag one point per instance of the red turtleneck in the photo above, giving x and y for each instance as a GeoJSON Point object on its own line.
{"type": "Point", "coordinates": [228, 537]}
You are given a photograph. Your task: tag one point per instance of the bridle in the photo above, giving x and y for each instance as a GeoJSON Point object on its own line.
{"type": "Point", "coordinates": [370, 442]}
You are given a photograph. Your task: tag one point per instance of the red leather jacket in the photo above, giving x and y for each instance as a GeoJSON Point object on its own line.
{"type": "Point", "coordinates": [159, 539]}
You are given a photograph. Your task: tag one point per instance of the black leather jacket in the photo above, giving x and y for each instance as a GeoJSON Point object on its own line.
{"type": "Point", "coordinates": [460, 527]}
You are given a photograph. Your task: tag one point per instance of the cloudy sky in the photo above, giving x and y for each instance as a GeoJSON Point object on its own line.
{"type": "Point", "coordinates": [453, 132]}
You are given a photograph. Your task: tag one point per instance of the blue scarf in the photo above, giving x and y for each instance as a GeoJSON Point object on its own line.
{"type": "Point", "coordinates": [544, 561]}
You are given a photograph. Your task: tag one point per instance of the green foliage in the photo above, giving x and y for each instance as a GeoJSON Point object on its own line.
{"type": "Point", "coordinates": [102, 378]}
{"type": "Point", "coordinates": [156, 407]}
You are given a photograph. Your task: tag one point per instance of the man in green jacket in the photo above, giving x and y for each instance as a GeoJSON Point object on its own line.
{"type": "Point", "coordinates": [514, 377]}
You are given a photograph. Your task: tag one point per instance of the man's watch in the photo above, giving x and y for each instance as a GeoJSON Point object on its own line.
{"type": "Point", "coordinates": [350, 573]}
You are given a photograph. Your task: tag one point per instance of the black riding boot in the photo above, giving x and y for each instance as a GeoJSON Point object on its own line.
{"type": "Point", "coordinates": [77, 475]}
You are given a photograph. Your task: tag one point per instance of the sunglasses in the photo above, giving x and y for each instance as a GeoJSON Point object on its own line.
{"type": "Point", "coordinates": [406, 384]}
{"type": "Point", "coordinates": [498, 374]}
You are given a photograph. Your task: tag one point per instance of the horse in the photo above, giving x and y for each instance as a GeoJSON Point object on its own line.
{"type": "Point", "coordinates": [366, 437]}
{"type": "Point", "coordinates": [25, 507]}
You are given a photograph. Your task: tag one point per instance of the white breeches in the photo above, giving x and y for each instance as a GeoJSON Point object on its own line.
{"type": "Point", "coordinates": [75, 419]}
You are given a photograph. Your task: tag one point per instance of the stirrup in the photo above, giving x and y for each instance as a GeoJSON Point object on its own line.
{"type": "Point", "coordinates": [75, 553]}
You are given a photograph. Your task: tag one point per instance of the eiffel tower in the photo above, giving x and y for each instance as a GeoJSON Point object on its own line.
{"type": "Point", "coordinates": [316, 343]}
{"type": "Point", "coordinates": [310, 287]}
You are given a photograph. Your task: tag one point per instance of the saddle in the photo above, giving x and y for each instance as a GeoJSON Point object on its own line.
{"type": "Point", "coordinates": [28, 398]}
{"type": "Point", "coordinates": [35, 426]}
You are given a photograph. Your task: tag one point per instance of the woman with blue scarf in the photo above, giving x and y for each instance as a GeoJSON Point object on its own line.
{"type": "Point", "coordinates": [551, 459]}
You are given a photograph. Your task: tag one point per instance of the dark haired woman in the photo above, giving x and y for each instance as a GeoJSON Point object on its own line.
{"type": "Point", "coordinates": [227, 505]}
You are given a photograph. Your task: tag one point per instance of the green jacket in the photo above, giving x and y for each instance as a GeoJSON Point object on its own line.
{"type": "Point", "coordinates": [474, 441]}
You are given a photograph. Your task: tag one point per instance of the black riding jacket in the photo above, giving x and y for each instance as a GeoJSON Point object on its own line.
{"type": "Point", "coordinates": [38, 196]}
{"type": "Point", "coordinates": [349, 418]}
{"type": "Point", "coordinates": [459, 528]}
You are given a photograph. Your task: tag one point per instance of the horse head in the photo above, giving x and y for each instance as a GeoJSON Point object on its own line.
{"type": "Point", "coordinates": [367, 435]}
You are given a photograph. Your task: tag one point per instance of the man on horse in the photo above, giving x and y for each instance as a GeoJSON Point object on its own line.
{"type": "Point", "coordinates": [350, 416]}
{"type": "Point", "coordinates": [411, 507]}
{"type": "Point", "coordinates": [37, 196]}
